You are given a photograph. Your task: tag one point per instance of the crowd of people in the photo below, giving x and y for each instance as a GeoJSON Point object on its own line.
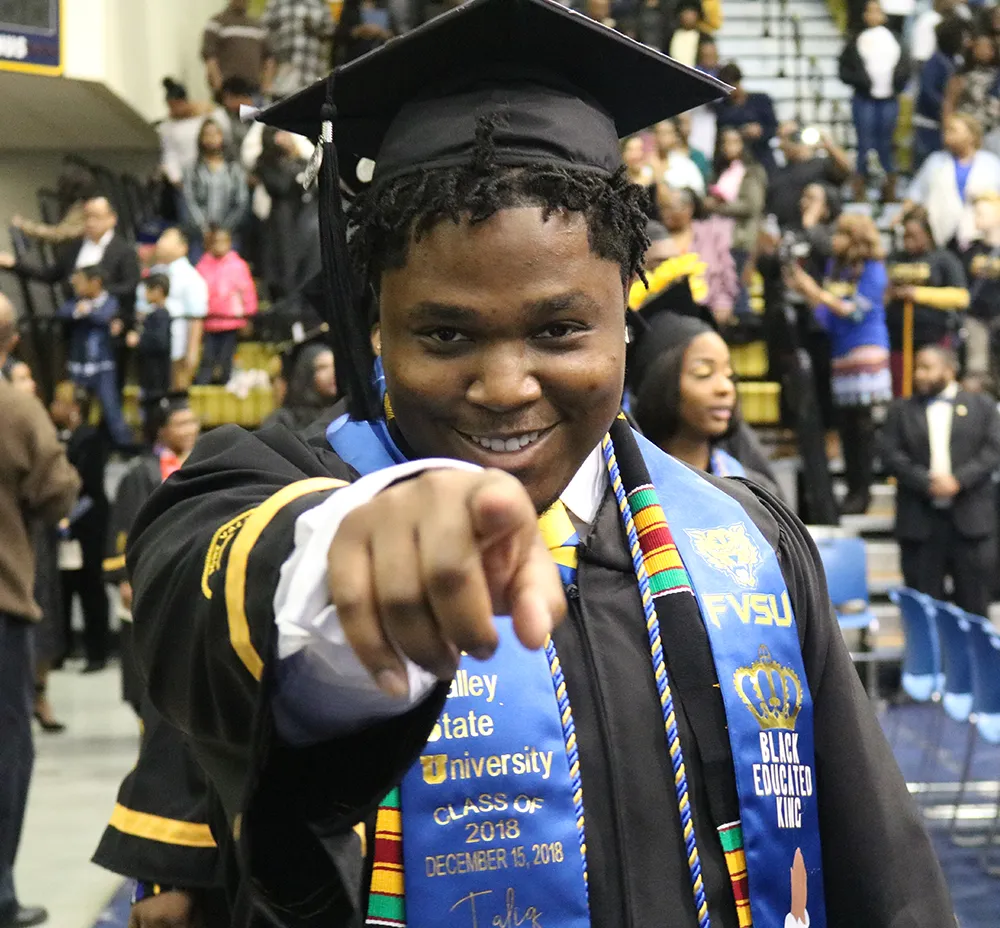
{"type": "Point", "coordinates": [725, 196]}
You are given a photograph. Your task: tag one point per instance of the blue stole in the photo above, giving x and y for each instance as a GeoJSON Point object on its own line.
{"type": "Point", "coordinates": [489, 823]}
{"type": "Point", "coordinates": [725, 465]}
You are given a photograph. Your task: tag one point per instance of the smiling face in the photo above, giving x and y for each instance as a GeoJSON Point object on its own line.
{"type": "Point", "coordinates": [708, 394]}
{"type": "Point", "coordinates": [504, 344]}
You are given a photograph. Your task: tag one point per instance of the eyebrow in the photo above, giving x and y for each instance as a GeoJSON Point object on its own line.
{"type": "Point", "coordinates": [430, 312]}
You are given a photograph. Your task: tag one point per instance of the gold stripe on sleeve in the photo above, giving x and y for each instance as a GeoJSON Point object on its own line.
{"type": "Point", "coordinates": [156, 828]}
{"type": "Point", "coordinates": [236, 569]}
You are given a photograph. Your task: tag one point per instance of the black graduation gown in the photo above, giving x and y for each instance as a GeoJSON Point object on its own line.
{"type": "Point", "coordinates": [168, 784]}
{"type": "Point", "coordinates": [137, 484]}
{"type": "Point", "coordinates": [289, 811]}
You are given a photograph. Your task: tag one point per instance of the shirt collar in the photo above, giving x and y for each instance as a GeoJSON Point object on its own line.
{"type": "Point", "coordinates": [583, 494]}
{"type": "Point", "coordinates": [104, 240]}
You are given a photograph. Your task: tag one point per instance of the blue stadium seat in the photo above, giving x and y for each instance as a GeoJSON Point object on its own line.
{"type": "Point", "coordinates": [985, 653]}
{"type": "Point", "coordinates": [953, 636]}
{"type": "Point", "coordinates": [922, 677]}
{"type": "Point", "coordinates": [846, 567]}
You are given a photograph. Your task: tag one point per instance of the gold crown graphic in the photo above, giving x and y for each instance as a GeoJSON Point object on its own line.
{"type": "Point", "coordinates": [771, 692]}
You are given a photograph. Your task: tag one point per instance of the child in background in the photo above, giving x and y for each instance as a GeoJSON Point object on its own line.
{"type": "Point", "coordinates": [88, 317]}
{"type": "Point", "coordinates": [232, 299]}
{"type": "Point", "coordinates": [152, 341]}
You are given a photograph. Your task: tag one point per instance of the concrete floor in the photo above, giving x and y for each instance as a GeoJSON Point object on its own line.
{"type": "Point", "coordinates": [72, 794]}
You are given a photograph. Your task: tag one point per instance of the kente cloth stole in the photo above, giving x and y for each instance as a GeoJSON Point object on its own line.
{"type": "Point", "coordinates": [521, 811]}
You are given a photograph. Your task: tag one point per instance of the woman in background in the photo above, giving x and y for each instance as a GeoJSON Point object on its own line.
{"type": "Point", "coordinates": [310, 388]}
{"type": "Point", "coordinates": [930, 278]}
{"type": "Point", "coordinates": [738, 193]}
{"type": "Point", "coordinates": [850, 305]}
{"type": "Point", "coordinates": [705, 244]}
{"type": "Point", "coordinates": [686, 401]}
{"type": "Point", "coordinates": [950, 180]}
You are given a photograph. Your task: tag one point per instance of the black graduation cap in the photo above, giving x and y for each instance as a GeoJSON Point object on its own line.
{"type": "Point", "coordinates": [559, 88]}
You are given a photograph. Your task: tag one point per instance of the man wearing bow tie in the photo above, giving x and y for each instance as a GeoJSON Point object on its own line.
{"type": "Point", "coordinates": [943, 447]}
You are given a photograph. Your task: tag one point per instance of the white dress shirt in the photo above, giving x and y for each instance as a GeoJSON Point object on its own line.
{"type": "Point", "coordinates": [91, 253]}
{"type": "Point", "coordinates": [308, 623]}
{"type": "Point", "coordinates": [940, 414]}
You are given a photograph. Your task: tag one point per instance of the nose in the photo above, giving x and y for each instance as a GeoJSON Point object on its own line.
{"type": "Point", "coordinates": [724, 386]}
{"type": "Point", "coordinates": [504, 381]}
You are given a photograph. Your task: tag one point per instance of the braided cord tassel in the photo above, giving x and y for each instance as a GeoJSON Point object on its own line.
{"type": "Point", "coordinates": [572, 754]}
{"type": "Point", "coordinates": [662, 684]}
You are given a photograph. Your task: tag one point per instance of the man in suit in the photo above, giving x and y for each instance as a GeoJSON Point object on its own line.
{"type": "Point", "coordinates": [943, 447]}
{"type": "Point", "coordinates": [102, 246]}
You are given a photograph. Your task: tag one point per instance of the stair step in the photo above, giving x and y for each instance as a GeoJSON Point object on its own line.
{"type": "Point", "coordinates": [785, 88]}
{"type": "Point", "coordinates": [808, 28]}
{"type": "Point", "coordinates": [737, 46]}
{"type": "Point", "coordinates": [757, 66]}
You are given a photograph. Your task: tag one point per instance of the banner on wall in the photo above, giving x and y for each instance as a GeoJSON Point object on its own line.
{"type": "Point", "coordinates": [31, 36]}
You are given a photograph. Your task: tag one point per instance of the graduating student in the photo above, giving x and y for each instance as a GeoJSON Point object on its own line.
{"type": "Point", "coordinates": [325, 622]}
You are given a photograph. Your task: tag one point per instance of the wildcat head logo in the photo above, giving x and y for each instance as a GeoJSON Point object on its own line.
{"type": "Point", "coordinates": [730, 550]}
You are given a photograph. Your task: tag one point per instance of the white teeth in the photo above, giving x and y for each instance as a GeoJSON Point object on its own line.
{"type": "Point", "coordinates": [499, 445]}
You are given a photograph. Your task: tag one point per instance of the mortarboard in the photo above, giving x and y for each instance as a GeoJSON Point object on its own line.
{"type": "Point", "coordinates": [558, 88]}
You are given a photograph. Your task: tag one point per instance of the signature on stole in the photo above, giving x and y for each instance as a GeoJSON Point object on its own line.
{"type": "Point", "coordinates": [512, 916]}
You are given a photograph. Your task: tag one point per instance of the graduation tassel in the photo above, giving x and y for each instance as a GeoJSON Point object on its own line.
{"type": "Point", "coordinates": [348, 334]}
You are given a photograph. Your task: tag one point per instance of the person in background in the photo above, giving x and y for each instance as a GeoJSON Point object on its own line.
{"type": "Point", "coordinates": [102, 246]}
{"type": "Point", "coordinates": [934, 76]}
{"type": "Point", "coordinates": [975, 90]}
{"type": "Point", "coordinates": [277, 172]}
{"type": "Point", "coordinates": [636, 161]}
{"type": "Point", "coordinates": [75, 185]}
{"type": "Point", "coordinates": [932, 279]}
{"type": "Point", "coordinates": [738, 192]}
{"type": "Point", "coordinates": [982, 263]}
{"type": "Point", "coordinates": [924, 39]}
{"type": "Point", "coordinates": [364, 26]}
{"type": "Point", "coordinates": [703, 118]}
{"type": "Point", "coordinates": [650, 22]}
{"type": "Point", "coordinates": [686, 400]}
{"type": "Point", "coordinates": [235, 44]}
{"type": "Point", "coordinates": [803, 166]}
{"type": "Point", "coordinates": [178, 141]}
{"type": "Point", "coordinates": [673, 165]}
{"type": "Point", "coordinates": [49, 640]}
{"type": "Point", "coordinates": [712, 275]}
{"type": "Point", "coordinates": [688, 33]}
{"type": "Point", "coordinates": [88, 318]}
{"type": "Point", "coordinates": [36, 482]}
{"type": "Point", "coordinates": [850, 303]}
{"type": "Point", "coordinates": [311, 388]}
{"type": "Point", "coordinates": [187, 302]}
{"type": "Point", "coordinates": [215, 190]}
{"type": "Point", "coordinates": [875, 65]}
{"type": "Point", "coordinates": [701, 159]}
{"type": "Point", "coordinates": [949, 181]}
{"type": "Point", "coordinates": [87, 451]}
{"type": "Point", "coordinates": [232, 302]}
{"type": "Point", "coordinates": [152, 340]}
{"type": "Point", "coordinates": [236, 93]}
{"type": "Point", "coordinates": [943, 447]}
{"type": "Point", "coordinates": [752, 113]}
{"type": "Point", "coordinates": [297, 32]}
